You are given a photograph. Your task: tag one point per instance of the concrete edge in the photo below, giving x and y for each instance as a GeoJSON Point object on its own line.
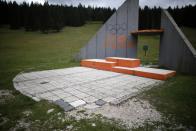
{"type": "Point", "coordinates": [130, 96]}
{"type": "Point", "coordinates": [188, 43]}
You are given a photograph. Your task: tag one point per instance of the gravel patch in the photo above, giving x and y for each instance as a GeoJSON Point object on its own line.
{"type": "Point", "coordinates": [5, 95]}
{"type": "Point", "coordinates": [133, 113]}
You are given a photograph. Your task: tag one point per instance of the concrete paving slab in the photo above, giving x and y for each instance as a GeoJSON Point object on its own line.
{"type": "Point", "coordinates": [77, 103]}
{"type": "Point", "coordinates": [53, 98]}
{"type": "Point", "coordinates": [71, 98]}
{"type": "Point", "coordinates": [91, 106]}
{"type": "Point", "coordinates": [65, 105]}
{"type": "Point", "coordinates": [90, 99]}
{"type": "Point", "coordinates": [81, 85]}
{"type": "Point", "coordinates": [109, 99]}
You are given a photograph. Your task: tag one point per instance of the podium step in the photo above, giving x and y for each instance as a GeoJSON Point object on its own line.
{"type": "Point", "coordinates": [124, 70]}
{"type": "Point", "coordinates": [153, 73]}
{"type": "Point", "coordinates": [125, 62]}
{"type": "Point", "coordinates": [127, 66]}
{"type": "Point", "coordinates": [98, 64]}
{"type": "Point", "coordinates": [159, 74]}
{"type": "Point", "coordinates": [88, 63]}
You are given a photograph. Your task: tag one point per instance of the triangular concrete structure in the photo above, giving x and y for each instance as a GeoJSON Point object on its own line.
{"type": "Point", "coordinates": [118, 38]}
{"type": "Point", "coordinates": [176, 52]}
{"type": "Point", "coordinates": [114, 39]}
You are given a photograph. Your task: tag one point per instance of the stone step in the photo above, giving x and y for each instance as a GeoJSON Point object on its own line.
{"type": "Point", "coordinates": [124, 70]}
{"type": "Point", "coordinates": [98, 64]}
{"type": "Point", "coordinates": [159, 74]}
{"type": "Point", "coordinates": [125, 62]}
{"type": "Point", "coordinates": [127, 66]}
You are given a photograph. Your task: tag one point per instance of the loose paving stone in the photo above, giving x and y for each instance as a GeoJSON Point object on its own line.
{"type": "Point", "coordinates": [65, 105]}
{"type": "Point", "coordinates": [100, 102]}
{"type": "Point", "coordinates": [80, 86]}
{"type": "Point", "coordinates": [77, 103]}
{"type": "Point", "coordinates": [36, 99]}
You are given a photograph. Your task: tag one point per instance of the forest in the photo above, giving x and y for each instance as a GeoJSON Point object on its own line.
{"type": "Point", "coordinates": [47, 17]}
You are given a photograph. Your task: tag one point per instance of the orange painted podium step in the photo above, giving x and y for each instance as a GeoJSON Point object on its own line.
{"type": "Point", "coordinates": [98, 64]}
{"type": "Point", "coordinates": [159, 74]}
{"type": "Point", "coordinates": [88, 63]}
{"type": "Point", "coordinates": [125, 62]}
{"type": "Point", "coordinates": [124, 70]}
{"type": "Point", "coordinates": [153, 73]}
{"type": "Point", "coordinates": [127, 66]}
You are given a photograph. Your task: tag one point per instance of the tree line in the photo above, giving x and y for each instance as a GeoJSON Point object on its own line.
{"type": "Point", "coordinates": [46, 17]}
{"type": "Point", "coordinates": [151, 17]}
{"type": "Point", "coordinates": [184, 16]}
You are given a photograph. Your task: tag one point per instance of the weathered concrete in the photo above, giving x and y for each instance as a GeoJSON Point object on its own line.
{"type": "Point", "coordinates": [113, 38]}
{"type": "Point", "coordinates": [176, 52]}
{"type": "Point", "coordinates": [80, 86]}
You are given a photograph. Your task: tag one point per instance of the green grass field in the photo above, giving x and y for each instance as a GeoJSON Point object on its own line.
{"type": "Point", "coordinates": [190, 33]}
{"type": "Point", "coordinates": [152, 55]}
{"type": "Point", "coordinates": [20, 51]}
{"type": "Point", "coordinates": [24, 51]}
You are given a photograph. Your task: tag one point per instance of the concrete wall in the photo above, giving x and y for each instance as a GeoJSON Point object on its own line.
{"type": "Point", "coordinates": [176, 52]}
{"type": "Point", "coordinates": [113, 38]}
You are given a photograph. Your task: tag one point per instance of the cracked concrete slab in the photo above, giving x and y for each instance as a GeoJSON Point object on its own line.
{"type": "Point", "coordinates": [81, 84]}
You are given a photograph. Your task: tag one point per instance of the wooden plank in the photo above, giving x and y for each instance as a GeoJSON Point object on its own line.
{"type": "Point", "coordinates": [148, 32]}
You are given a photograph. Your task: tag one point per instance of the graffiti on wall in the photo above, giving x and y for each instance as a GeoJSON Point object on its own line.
{"type": "Point", "coordinates": [116, 38]}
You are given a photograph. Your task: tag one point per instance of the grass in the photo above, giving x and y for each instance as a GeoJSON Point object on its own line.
{"type": "Point", "coordinates": [152, 55]}
{"type": "Point", "coordinates": [23, 51]}
{"type": "Point", "coordinates": [176, 100]}
{"type": "Point", "coordinates": [190, 34]}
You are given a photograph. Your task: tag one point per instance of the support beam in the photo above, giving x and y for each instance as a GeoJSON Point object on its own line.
{"type": "Point", "coordinates": [148, 32]}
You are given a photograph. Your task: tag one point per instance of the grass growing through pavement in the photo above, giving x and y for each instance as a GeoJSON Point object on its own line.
{"type": "Point", "coordinates": [20, 51]}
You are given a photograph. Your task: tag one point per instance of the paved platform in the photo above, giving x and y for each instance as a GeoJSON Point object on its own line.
{"type": "Point", "coordinates": [81, 86]}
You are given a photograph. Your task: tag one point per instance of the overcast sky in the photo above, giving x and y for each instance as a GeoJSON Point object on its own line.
{"type": "Point", "coordinates": [117, 3]}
